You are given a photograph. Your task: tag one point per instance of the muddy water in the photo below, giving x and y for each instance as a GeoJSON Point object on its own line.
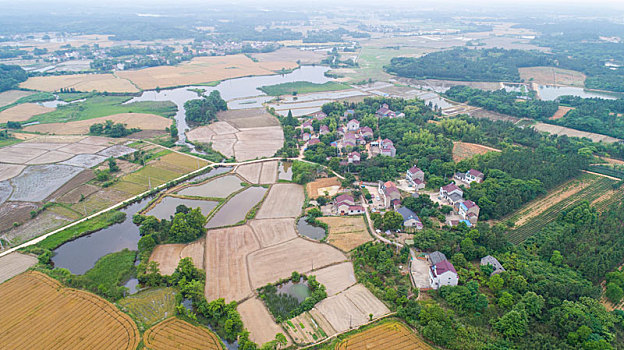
{"type": "Point", "coordinates": [299, 290]}
{"type": "Point", "coordinates": [237, 207]}
{"type": "Point", "coordinates": [285, 171]}
{"type": "Point", "coordinates": [167, 206]}
{"type": "Point", "coordinates": [81, 254]}
{"type": "Point", "coordinates": [305, 229]}
{"type": "Point", "coordinates": [217, 188]}
{"type": "Point", "coordinates": [230, 89]}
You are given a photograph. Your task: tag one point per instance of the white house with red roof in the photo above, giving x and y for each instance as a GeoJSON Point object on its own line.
{"type": "Point", "coordinates": [389, 193]}
{"type": "Point", "coordinates": [468, 210]}
{"type": "Point", "coordinates": [386, 147]}
{"type": "Point", "coordinates": [353, 125]}
{"type": "Point", "coordinates": [442, 274]}
{"type": "Point", "coordinates": [415, 177]}
{"type": "Point", "coordinates": [356, 210]}
{"type": "Point", "coordinates": [366, 132]}
{"type": "Point", "coordinates": [470, 176]}
{"type": "Point", "coordinates": [324, 129]}
{"type": "Point", "coordinates": [451, 193]}
{"type": "Point", "coordinates": [385, 112]}
{"type": "Point", "coordinates": [354, 157]}
{"type": "Point", "coordinates": [307, 125]}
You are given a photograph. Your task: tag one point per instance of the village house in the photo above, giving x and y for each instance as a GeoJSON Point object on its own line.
{"type": "Point", "coordinates": [353, 158]}
{"type": "Point", "coordinates": [318, 115]}
{"type": "Point", "coordinates": [353, 125]}
{"type": "Point", "coordinates": [451, 193]}
{"type": "Point", "coordinates": [349, 113]}
{"type": "Point", "coordinates": [410, 219]}
{"type": "Point", "coordinates": [490, 260]}
{"type": "Point", "coordinates": [305, 136]}
{"type": "Point", "coordinates": [389, 194]}
{"type": "Point", "coordinates": [324, 130]}
{"type": "Point", "coordinates": [442, 274]}
{"type": "Point", "coordinates": [468, 210]}
{"type": "Point", "coordinates": [314, 141]}
{"type": "Point", "coordinates": [387, 148]}
{"type": "Point", "coordinates": [470, 176]}
{"type": "Point", "coordinates": [366, 132]}
{"type": "Point", "coordinates": [343, 202]}
{"type": "Point", "coordinates": [356, 210]}
{"type": "Point", "coordinates": [307, 125]}
{"type": "Point", "coordinates": [385, 112]}
{"type": "Point", "coordinates": [415, 177]}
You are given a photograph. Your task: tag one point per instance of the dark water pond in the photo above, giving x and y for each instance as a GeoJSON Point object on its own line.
{"type": "Point", "coordinates": [299, 290]}
{"type": "Point", "coordinates": [237, 207]}
{"type": "Point", "coordinates": [305, 229]}
{"type": "Point", "coordinates": [81, 254]}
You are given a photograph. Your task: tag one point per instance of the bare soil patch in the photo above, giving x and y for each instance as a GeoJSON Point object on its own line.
{"type": "Point", "coordinates": [81, 148]}
{"type": "Point", "coordinates": [5, 191]}
{"type": "Point", "coordinates": [226, 263]}
{"type": "Point", "coordinates": [268, 265]}
{"type": "Point", "coordinates": [11, 212]}
{"type": "Point", "coordinates": [258, 321]}
{"type": "Point", "coordinates": [318, 187]}
{"type": "Point", "coordinates": [31, 228]}
{"type": "Point", "coordinates": [77, 181]}
{"type": "Point", "coordinates": [269, 172]}
{"type": "Point", "coordinates": [80, 82]}
{"type": "Point", "coordinates": [202, 70]}
{"type": "Point", "coordinates": [49, 315]}
{"type": "Point", "coordinates": [347, 232]}
{"type": "Point", "coordinates": [13, 264]}
{"type": "Point", "coordinates": [81, 127]}
{"type": "Point", "coordinates": [561, 112]}
{"type": "Point", "coordinates": [19, 155]}
{"type": "Point", "coordinates": [23, 112]}
{"type": "Point", "coordinates": [251, 172]}
{"type": "Point", "coordinates": [248, 118]}
{"type": "Point", "coordinates": [336, 278]}
{"type": "Point", "coordinates": [167, 256]}
{"type": "Point", "coordinates": [11, 96]}
{"type": "Point", "coordinates": [465, 150]}
{"type": "Point", "coordinates": [50, 157]}
{"type": "Point", "coordinates": [256, 143]}
{"type": "Point", "coordinates": [9, 171]}
{"type": "Point", "coordinates": [552, 76]}
{"type": "Point", "coordinates": [284, 200]}
{"type": "Point", "coordinates": [562, 130]}
{"type": "Point", "coordinates": [273, 231]}
{"type": "Point", "coordinates": [85, 160]}
{"type": "Point", "coordinates": [74, 195]}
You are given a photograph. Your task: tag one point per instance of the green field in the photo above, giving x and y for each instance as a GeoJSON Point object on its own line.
{"type": "Point", "coordinates": [301, 87]}
{"type": "Point", "coordinates": [151, 306]}
{"type": "Point", "coordinates": [101, 106]}
{"type": "Point", "coordinates": [534, 225]}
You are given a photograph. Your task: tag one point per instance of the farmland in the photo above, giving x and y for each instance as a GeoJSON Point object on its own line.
{"type": "Point", "coordinates": [81, 127]}
{"type": "Point", "coordinates": [23, 112]}
{"type": "Point", "coordinates": [466, 150]}
{"type": "Point", "coordinates": [318, 187]}
{"type": "Point", "coordinates": [248, 118]}
{"type": "Point", "coordinates": [552, 76]}
{"type": "Point", "coordinates": [302, 87]}
{"type": "Point", "coordinates": [346, 232]}
{"type": "Point", "coordinates": [258, 321]}
{"type": "Point", "coordinates": [80, 82]}
{"type": "Point", "coordinates": [14, 264]}
{"type": "Point", "coordinates": [283, 200]}
{"type": "Point", "coordinates": [273, 231]}
{"type": "Point", "coordinates": [392, 335]}
{"type": "Point", "coordinates": [561, 112]}
{"type": "Point", "coordinates": [150, 306]}
{"type": "Point", "coordinates": [174, 333]}
{"type": "Point", "coordinates": [12, 96]}
{"type": "Point", "coordinates": [63, 317]}
{"type": "Point", "coordinates": [545, 211]}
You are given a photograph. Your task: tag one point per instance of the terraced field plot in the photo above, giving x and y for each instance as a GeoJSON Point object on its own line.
{"type": "Point", "coordinates": [284, 200]}
{"type": "Point", "coordinates": [150, 306]}
{"type": "Point", "coordinates": [174, 333]}
{"type": "Point", "coordinates": [387, 336]}
{"type": "Point", "coordinates": [48, 315]}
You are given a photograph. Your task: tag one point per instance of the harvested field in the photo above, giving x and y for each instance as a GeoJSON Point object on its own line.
{"type": "Point", "coordinates": [150, 306]}
{"type": "Point", "coordinates": [561, 112]}
{"type": "Point", "coordinates": [37, 182]}
{"type": "Point", "coordinates": [220, 187]}
{"type": "Point", "coordinates": [251, 172]}
{"type": "Point", "coordinates": [465, 150]}
{"type": "Point", "coordinates": [82, 178]}
{"type": "Point", "coordinates": [347, 232]}
{"type": "Point", "coordinates": [11, 96]}
{"type": "Point", "coordinates": [202, 70]}
{"type": "Point", "coordinates": [322, 322]}
{"type": "Point", "coordinates": [50, 157]}
{"type": "Point", "coordinates": [258, 321]}
{"type": "Point", "coordinates": [292, 54]}
{"type": "Point", "coordinates": [350, 309]}
{"type": "Point", "coordinates": [226, 264]}
{"type": "Point", "coordinates": [284, 200]}
{"type": "Point", "coordinates": [552, 76]}
{"type": "Point", "coordinates": [5, 191]}
{"type": "Point", "coordinates": [116, 151]}
{"type": "Point", "coordinates": [269, 172]}
{"type": "Point", "coordinates": [169, 255]}
{"type": "Point", "coordinates": [279, 261]}
{"type": "Point", "coordinates": [81, 148]}
{"type": "Point", "coordinates": [562, 130]}
{"type": "Point", "coordinates": [85, 160]}
{"type": "Point", "coordinates": [9, 171]}
{"type": "Point", "coordinates": [248, 118]}
{"type": "Point", "coordinates": [318, 187]}
{"type": "Point", "coordinates": [49, 315]}
{"type": "Point", "coordinates": [31, 228]}
{"type": "Point", "coordinates": [387, 336]}
{"type": "Point", "coordinates": [143, 121]}
{"type": "Point", "coordinates": [336, 278]}
{"type": "Point", "coordinates": [273, 231]}
{"type": "Point", "coordinates": [80, 82]}
{"type": "Point", "coordinates": [303, 329]}
{"type": "Point", "coordinates": [174, 333]}
{"type": "Point", "coordinates": [22, 112]}
{"type": "Point", "coordinates": [19, 155]}
{"type": "Point", "coordinates": [13, 264]}
{"type": "Point", "coordinates": [11, 212]}
{"type": "Point", "coordinates": [254, 143]}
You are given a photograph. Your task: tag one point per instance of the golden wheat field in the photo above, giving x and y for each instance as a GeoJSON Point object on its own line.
{"type": "Point", "coordinates": [174, 333]}
{"type": "Point", "coordinates": [387, 336]}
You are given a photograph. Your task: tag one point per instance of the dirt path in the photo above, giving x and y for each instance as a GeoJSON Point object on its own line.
{"type": "Point", "coordinates": [603, 175]}
{"type": "Point", "coordinates": [372, 229]}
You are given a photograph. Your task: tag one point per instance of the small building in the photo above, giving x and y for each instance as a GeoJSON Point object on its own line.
{"type": "Point", "coordinates": [324, 130]}
{"type": "Point", "coordinates": [468, 210]}
{"type": "Point", "coordinates": [414, 173]}
{"type": "Point", "coordinates": [470, 176]}
{"type": "Point", "coordinates": [345, 198]}
{"type": "Point", "coordinates": [436, 257]}
{"type": "Point", "coordinates": [451, 193]}
{"type": "Point", "coordinates": [353, 158]}
{"type": "Point", "coordinates": [385, 112]}
{"type": "Point", "coordinates": [318, 115]}
{"type": "Point", "coordinates": [389, 193]}
{"type": "Point", "coordinates": [366, 132]}
{"type": "Point", "coordinates": [387, 148]}
{"type": "Point", "coordinates": [307, 125]}
{"type": "Point", "coordinates": [314, 141]}
{"type": "Point", "coordinates": [490, 260]}
{"type": "Point", "coordinates": [353, 125]}
{"type": "Point", "coordinates": [356, 210]}
{"type": "Point", "coordinates": [410, 219]}
{"type": "Point", "coordinates": [305, 136]}
{"type": "Point", "coordinates": [443, 274]}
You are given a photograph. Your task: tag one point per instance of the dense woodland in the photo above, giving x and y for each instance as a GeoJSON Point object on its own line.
{"type": "Point", "coordinates": [111, 129]}
{"type": "Point", "coordinates": [204, 110]}
{"type": "Point", "coordinates": [11, 76]}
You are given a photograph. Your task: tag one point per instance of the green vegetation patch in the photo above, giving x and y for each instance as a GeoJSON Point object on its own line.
{"type": "Point", "coordinates": [301, 87]}
{"type": "Point", "coordinates": [285, 304]}
{"type": "Point", "coordinates": [150, 306]}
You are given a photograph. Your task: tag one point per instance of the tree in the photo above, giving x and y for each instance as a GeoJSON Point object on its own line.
{"type": "Point", "coordinates": [556, 258]}
{"type": "Point", "coordinates": [496, 283]}
{"type": "Point", "coordinates": [112, 165]}
{"type": "Point", "coordinates": [506, 300]}
{"type": "Point", "coordinates": [614, 293]}
{"type": "Point", "coordinates": [512, 324]}
{"type": "Point", "coordinates": [392, 220]}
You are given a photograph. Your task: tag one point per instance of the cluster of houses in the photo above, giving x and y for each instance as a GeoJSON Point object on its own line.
{"type": "Point", "coordinates": [345, 204]}
{"type": "Point", "coordinates": [441, 271]}
{"type": "Point", "coordinates": [466, 211]}
{"type": "Point", "coordinates": [385, 112]}
{"type": "Point", "coordinates": [469, 177]}
{"type": "Point", "coordinates": [391, 198]}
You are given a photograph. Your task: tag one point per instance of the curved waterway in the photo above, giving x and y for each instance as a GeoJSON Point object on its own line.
{"type": "Point", "coordinates": [232, 90]}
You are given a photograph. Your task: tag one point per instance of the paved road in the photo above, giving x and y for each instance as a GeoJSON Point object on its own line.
{"type": "Point", "coordinates": [372, 228]}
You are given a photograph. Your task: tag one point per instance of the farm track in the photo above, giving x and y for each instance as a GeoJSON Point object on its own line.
{"type": "Point", "coordinates": [589, 193]}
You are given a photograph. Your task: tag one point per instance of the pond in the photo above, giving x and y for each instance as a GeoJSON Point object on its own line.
{"type": "Point", "coordinates": [212, 173]}
{"type": "Point", "coordinates": [81, 254]}
{"type": "Point", "coordinates": [285, 171]}
{"type": "Point", "coordinates": [299, 290]}
{"type": "Point", "coordinates": [231, 89]}
{"type": "Point", "coordinates": [305, 229]}
{"type": "Point", "coordinates": [218, 188]}
{"type": "Point", "coordinates": [551, 92]}
{"type": "Point", "coordinates": [132, 285]}
{"type": "Point", "coordinates": [237, 207]}
{"type": "Point", "coordinates": [57, 102]}
{"type": "Point", "coordinates": [167, 206]}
